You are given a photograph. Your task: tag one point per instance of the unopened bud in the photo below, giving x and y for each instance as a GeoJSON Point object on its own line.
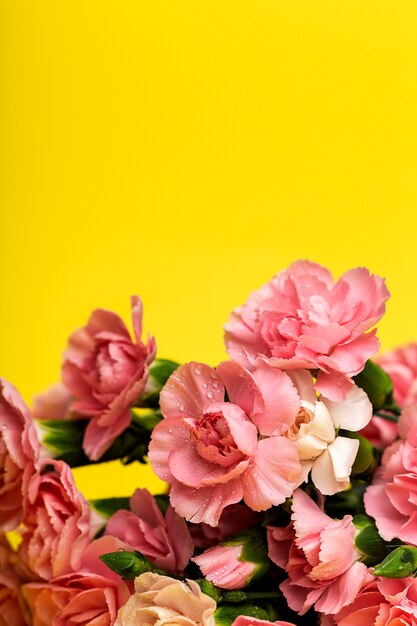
{"type": "Point", "coordinates": [367, 540]}
{"type": "Point", "coordinates": [400, 563]}
{"type": "Point", "coordinates": [129, 565]}
{"type": "Point", "coordinates": [235, 563]}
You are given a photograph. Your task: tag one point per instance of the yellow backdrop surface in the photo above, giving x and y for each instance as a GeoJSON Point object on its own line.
{"type": "Point", "coordinates": [188, 150]}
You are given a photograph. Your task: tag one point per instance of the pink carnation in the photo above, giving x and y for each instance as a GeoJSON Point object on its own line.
{"type": "Point", "coordinates": [401, 366]}
{"type": "Point", "coordinates": [233, 520]}
{"type": "Point", "coordinates": [392, 499]}
{"type": "Point", "coordinates": [91, 596]}
{"type": "Point", "coordinates": [303, 319]}
{"type": "Point", "coordinates": [380, 432]}
{"type": "Point", "coordinates": [57, 523]}
{"type": "Point", "coordinates": [11, 608]}
{"type": "Point", "coordinates": [106, 372]}
{"type": "Point", "coordinates": [320, 558]}
{"type": "Point", "coordinates": [224, 567]}
{"type": "Point", "coordinates": [19, 452]}
{"type": "Point", "coordinates": [383, 602]}
{"type": "Point", "coordinates": [215, 453]}
{"type": "Point", "coordinates": [165, 541]}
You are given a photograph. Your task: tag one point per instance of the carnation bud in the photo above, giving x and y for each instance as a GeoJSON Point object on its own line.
{"type": "Point", "coordinates": [377, 385]}
{"type": "Point", "coordinates": [367, 540]}
{"type": "Point", "coordinates": [235, 563]}
{"type": "Point", "coordinates": [400, 563]}
{"type": "Point", "coordinates": [129, 565]}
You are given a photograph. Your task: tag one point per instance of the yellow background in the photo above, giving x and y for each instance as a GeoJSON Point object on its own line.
{"type": "Point", "coordinates": [186, 151]}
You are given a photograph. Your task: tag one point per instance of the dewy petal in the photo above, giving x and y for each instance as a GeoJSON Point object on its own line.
{"type": "Point", "coordinates": [241, 387]}
{"type": "Point", "coordinates": [322, 475]}
{"type": "Point", "coordinates": [189, 390]}
{"type": "Point", "coordinates": [388, 520]}
{"type": "Point", "coordinates": [343, 590]}
{"type": "Point", "coordinates": [273, 474]}
{"type": "Point", "coordinates": [304, 384]}
{"type": "Point", "coordinates": [206, 504]}
{"type": "Point", "coordinates": [353, 413]}
{"type": "Point", "coordinates": [168, 435]}
{"type": "Point", "coordinates": [334, 385]}
{"type": "Point", "coordinates": [343, 453]}
{"type": "Point", "coordinates": [309, 520]}
{"type": "Point", "coordinates": [408, 423]}
{"type": "Point", "coordinates": [241, 428]}
{"type": "Point", "coordinates": [281, 400]}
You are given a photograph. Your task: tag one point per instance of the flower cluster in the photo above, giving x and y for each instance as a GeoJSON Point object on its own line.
{"type": "Point", "coordinates": [291, 472]}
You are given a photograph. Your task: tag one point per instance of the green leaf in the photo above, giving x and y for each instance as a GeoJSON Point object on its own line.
{"type": "Point", "coordinates": [377, 385]}
{"type": "Point", "coordinates": [108, 506]}
{"type": "Point", "coordinates": [400, 563]}
{"type": "Point", "coordinates": [226, 614]}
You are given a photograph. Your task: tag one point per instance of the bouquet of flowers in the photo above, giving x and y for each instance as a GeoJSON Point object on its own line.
{"type": "Point", "coordinates": [291, 472]}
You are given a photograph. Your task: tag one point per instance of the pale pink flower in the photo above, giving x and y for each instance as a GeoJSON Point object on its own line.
{"type": "Point", "coordinates": [383, 602]}
{"type": "Point", "coordinates": [401, 365]}
{"type": "Point", "coordinates": [106, 372]}
{"type": "Point", "coordinates": [303, 319]}
{"type": "Point", "coordinates": [19, 453]}
{"type": "Point", "coordinates": [216, 453]}
{"type": "Point", "coordinates": [57, 523]}
{"type": "Point", "coordinates": [233, 520]}
{"type": "Point", "coordinates": [11, 608]}
{"type": "Point", "coordinates": [320, 558]}
{"type": "Point", "coordinates": [392, 499]}
{"type": "Point", "coordinates": [321, 449]}
{"type": "Point", "coordinates": [225, 568]}
{"type": "Point", "coordinates": [166, 541]}
{"type": "Point", "coordinates": [91, 596]}
{"type": "Point", "coordinates": [160, 600]}
{"type": "Point", "coordinates": [243, 620]}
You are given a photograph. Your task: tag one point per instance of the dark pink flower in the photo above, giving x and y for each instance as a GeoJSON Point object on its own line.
{"type": "Point", "coordinates": [215, 453]}
{"type": "Point", "coordinates": [57, 523]}
{"type": "Point", "coordinates": [19, 453]}
{"type": "Point", "coordinates": [380, 432]}
{"type": "Point", "coordinates": [90, 596]}
{"type": "Point", "coordinates": [164, 541]}
{"type": "Point", "coordinates": [106, 372]}
{"type": "Point", "coordinates": [303, 319]}
{"type": "Point", "coordinates": [320, 558]}
{"type": "Point", "coordinates": [233, 520]}
{"type": "Point", "coordinates": [392, 499]}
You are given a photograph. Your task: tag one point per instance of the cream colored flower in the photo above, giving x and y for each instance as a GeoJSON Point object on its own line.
{"type": "Point", "coordinates": [164, 601]}
{"type": "Point", "coordinates": [320, 448]}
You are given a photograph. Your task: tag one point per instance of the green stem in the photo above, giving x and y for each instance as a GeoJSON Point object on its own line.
{"type": "Point", "coordinates": [386, 416]}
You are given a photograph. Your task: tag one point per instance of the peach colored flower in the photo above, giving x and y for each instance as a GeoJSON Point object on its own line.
{"type": "Point", "coordinates": [303, 319]}
{"type": "Point", "coordinates": [90, 596]}
{"type": "Point", "coordinates": [19, 452]}
{"type": "Point", "coordinates": [392, 498]}
{"type": "Point", "coordinates": [106, 372]}
{"type": "Point", "coordinates": [321, 449]}
{"type": "Point", "coordinates": [401, 365]}
{"type": "Point", "coordinates": [166, 541]}
{"type": "Point", "coordinates": [320, 558]}
{"type": "Point", "coordinates": [383, 602]}
{"type": "Point", "coordinates": [160, 600]}
{"type": "Point", "coordinates": [57, 523]}
{"type": "Point", "coordinates": [11, 609]}
{"type": "Point", "coordinates": [215, 453]}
